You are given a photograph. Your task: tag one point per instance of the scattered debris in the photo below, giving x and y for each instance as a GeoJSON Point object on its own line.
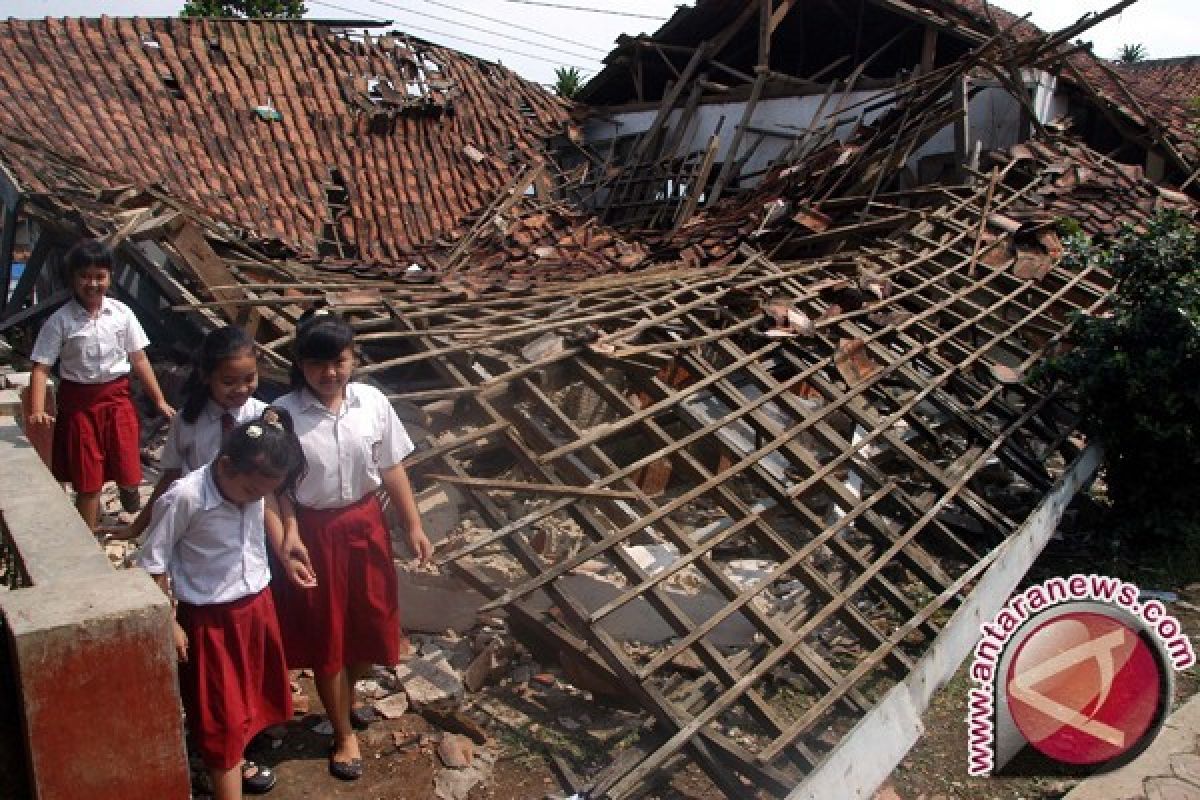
{"type": "Point", "coordinates": [428, 680]}
{"type": "Point", "coordinates": [723, 437]}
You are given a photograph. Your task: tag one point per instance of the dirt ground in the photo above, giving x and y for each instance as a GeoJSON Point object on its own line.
{"type": "Point", "coordinates": [525, 724]}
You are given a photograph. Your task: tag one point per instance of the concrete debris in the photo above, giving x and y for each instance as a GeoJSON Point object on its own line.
{"type": "Point", "coordinates": [455, 720]}
{"type": "Point", "coordinates": [429, 680]}
{"type": "Point", "coordinates": [392, 707]}
{"type": "Point", "coordinates": [371, 688]}
{"type": "Point", "coordinates": [436, 601]}
{"type": "Point", "coordinates": [456, 784]}
{"type": "Point", "coordinates": [491, 664]}
{"type": "Point", "coordinates": [440, 508]}
{"type": "Point", "coordinates": [456, 752]}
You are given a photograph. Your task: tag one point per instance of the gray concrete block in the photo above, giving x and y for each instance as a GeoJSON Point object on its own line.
{"type": "Point", "coordinates": [85, 734]}
{"type": "Point", "coordinates": [441, 510]}
{"type": "Point", "coordinates": [436, 602]}
{"type": "Point", "coordinates": [10, 403]}
{"type": "Point", "coordinates": [54, 543]}
{"type": "Point", "coordinates": [16, 380]}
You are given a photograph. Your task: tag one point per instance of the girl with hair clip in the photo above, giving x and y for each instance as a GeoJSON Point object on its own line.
{"type": "Point", "coordinates": [207, 544]}
{"type": "Point", "coordinates": [96, 342]}
{"type": "Point", "coordinates": [218, 398]}
{"type": "Point", "coordinates": [354, 444]}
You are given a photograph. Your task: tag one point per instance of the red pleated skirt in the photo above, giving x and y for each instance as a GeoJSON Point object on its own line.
{"type": "Point", "coordinates": [353, 614]}
{"type": "Point", "coordinates": [96, 436]}
{"type": "Point", "coordinates": [235, 681]}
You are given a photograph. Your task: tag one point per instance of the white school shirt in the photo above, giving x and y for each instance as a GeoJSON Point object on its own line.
{"type": "Point", "coordinates": [213, 550]}
{"type": "Point", "coordinates": [191, 445]}
{"type": "Point", "coordinates": [90, 349]}
{"type": "Point", "coordinates": [345, 451]}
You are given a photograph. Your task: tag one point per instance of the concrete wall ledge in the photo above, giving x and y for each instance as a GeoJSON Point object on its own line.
{"type": "Point", "coordinates": [54, 542]}
{"type": "Point", "coordinates": [90, 650]}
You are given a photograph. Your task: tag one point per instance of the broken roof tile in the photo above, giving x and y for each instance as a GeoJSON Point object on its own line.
{"type": "Point", "coordinates": [182, 115]}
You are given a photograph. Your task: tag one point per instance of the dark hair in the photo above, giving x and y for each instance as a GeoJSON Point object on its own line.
{"type": "Point", "coordinates": [218, 345]}
{"type": "Point", "coordinates": [268, 445]}
{"type": "Point", "coordinates": [88, 253]}
{"type": "Point", "coordinates": [321, 335]}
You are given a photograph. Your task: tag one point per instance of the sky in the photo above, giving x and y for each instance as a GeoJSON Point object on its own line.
{"type": "Point", "coordinates": [543, 38]}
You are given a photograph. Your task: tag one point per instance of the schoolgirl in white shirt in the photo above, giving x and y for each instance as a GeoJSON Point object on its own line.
{"type": "Point", "coordinates": [207, 544]}
{"type": "Point", "coordinates": [218, 398]}
{"type": "Point", "coordinates": [96, 342]}
{"type": "Point", "coordinates": [354, 445]}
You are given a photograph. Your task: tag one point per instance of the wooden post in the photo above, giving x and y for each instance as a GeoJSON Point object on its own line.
{"type": "Point", "coordinates": [764, 34]}
{"type": "Point", "coordinates": [962, 125]}
{"type": "Point", "coordinates": [697, 187]}
{"type": "Point", "coordinates": [7, 238]}
{"type": "Point", "coordinates": [33, 268]}
{"type": "Point", "coordinates": [726, 173]}
{"type": "Point", "coordinates": [929, 50]}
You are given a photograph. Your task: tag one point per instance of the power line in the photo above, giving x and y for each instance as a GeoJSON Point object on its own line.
{"type": "Point", "coordinates": [515, 25]}
{"type": "Point", "coordinates": [481, 30]}
{"type": "Point", "coordinates": [565, 7]}
{"type": "Point", "coordinates": [356, 12]}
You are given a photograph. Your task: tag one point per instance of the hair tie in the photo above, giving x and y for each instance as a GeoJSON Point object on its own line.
{"type": "Point", "coordinates": [271, 417]}
{"type": "Point", "coordinates": [254, 431]}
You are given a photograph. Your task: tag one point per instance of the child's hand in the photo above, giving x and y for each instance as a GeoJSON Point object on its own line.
{"type": "Point", "coordinates": [167, 410]}
{"type": "Point", "coordinates": [181, 644]}
{"type": "Point", "coordinates": [120, 533]}
{"type": "Point", "coordinates": [299, 568]}
{"type": "Point", "coordinates": [420, 545]}
{"type": "Point", "coordinates": [40, 420]}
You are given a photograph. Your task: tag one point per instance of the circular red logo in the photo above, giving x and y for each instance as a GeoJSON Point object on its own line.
{"type": "Point", "coordinates": [1085, 688]}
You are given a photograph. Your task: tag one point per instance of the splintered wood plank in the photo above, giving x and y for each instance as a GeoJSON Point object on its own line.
{"type": "Point", "coordinates": [538, 488]}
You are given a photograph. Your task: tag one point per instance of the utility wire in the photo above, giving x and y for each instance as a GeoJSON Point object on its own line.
{"type": "Point", "coordinates": [356, 12]}
{"type": "Point", "coordinates": [483, 30]}
{"type": "Point", "coordinates": [515, 25]}
{"type": "Point", "coordinates": [565, 7]}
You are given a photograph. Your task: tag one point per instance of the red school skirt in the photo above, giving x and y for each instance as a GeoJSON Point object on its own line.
{"type": "Point", "coordinates": [235, 681]}
{"type": "Point", "coordinates": [96, 436]}
{"type": "Point", "coordinates": [353, 614]}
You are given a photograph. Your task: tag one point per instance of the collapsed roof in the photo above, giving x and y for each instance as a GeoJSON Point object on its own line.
{"type": "Point", "coordinates": [757, 463]}
{"type": "Point", "coordinates": [339, 148]}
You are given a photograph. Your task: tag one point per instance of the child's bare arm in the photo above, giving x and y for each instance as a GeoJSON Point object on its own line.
{"type": "Point", "coordinates": [181, 639]}
{"type": "Point", "coordinates": [140, 364]}
{"type": "Point", "coordinates": [283, 532]}
{"type": "Point", "coordinates": [38, 378]}
{"type": "Point", "coordinates": [396, 484]}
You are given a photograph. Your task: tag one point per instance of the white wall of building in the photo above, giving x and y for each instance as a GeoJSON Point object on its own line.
{"type": "Point", "coordinates": [994, 117]}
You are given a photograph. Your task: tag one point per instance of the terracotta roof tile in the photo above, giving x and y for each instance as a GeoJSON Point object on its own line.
{"type": "Point", "coordinates": [172, 102]}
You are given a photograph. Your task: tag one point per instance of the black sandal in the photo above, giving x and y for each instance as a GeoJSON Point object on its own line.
{"type": "Point", "coordinates": [260, 781]}
{"type": "Point", "coordinates": [350, 770]}
{"type": "Point", "coordinates": [131, 499]}
{"type": "Point", "coordinates": [361, 717]}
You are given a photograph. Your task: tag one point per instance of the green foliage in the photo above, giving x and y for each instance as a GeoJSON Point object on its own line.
{"type": "Point", "coordinates": [1132, 53]}
{"type": "Point", "coordinates": [1068, 227]}
{"type": "Point", "coordinates": [254, 9]}
{"type": "Point", "coordinates": [1135, 371]}
{"type": "Point", "coordinates": [567, 82]}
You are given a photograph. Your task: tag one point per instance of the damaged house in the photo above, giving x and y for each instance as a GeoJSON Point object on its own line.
{"type": "Point", "coordinates": [728, 366]}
